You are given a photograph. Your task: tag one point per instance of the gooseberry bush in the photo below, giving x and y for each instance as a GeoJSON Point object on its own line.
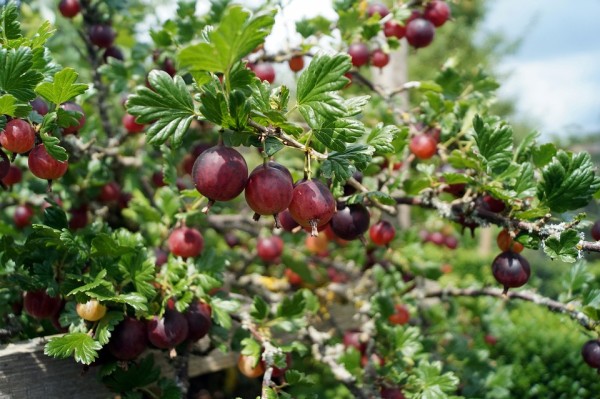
{"type": "Point", "coordinates": [124, 227]}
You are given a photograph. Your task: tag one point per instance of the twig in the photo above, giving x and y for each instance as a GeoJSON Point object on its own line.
{"type": "Point", "coordinates": [551, 304]}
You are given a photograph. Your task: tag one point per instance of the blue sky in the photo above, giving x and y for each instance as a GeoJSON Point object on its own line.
{"type": "Point", "coordinates": [555, 75]}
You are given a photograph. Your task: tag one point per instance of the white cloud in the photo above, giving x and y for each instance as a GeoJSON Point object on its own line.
{"type": "Point", "coordinates": [557, 92]}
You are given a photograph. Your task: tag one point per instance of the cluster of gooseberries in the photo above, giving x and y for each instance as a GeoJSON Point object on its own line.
{"type": "Point", "coordinates": [131, 336]}
{"type": "Point", "coordinates": [440, 238]}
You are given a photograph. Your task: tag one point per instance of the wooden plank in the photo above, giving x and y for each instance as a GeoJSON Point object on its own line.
{"type": "Point", "coordinates": [26, 373]}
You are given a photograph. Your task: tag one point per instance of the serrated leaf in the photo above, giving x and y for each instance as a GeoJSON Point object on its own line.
{"type": "Point", "coordinates": [292, 307]}
{"type": "Point", "coordinates": [525, 182]}
{"type": "Point", "coordinates": [341, 165]}
{"type": "Point", "coordinates": [569, 182]}
{"type": "Point", "coordinates": [140, 270]}
{"type": "Point", "coordinates": [543, 154]}
{"type": "Point", "coordinates": [98, 280]}
{"type": "Point", "coordinates": [260, 309]}
{"type": "Point", "coordinates": [494, 144]}
{"type": "Point", "coordinates": [135, 375]}
{"type": "Point", "coordinates": [16, 74]}
{"type": "Point", "coordinates": [105, 245]}
{"type": "Point", "coordinates": [53, 147]}
{"type": "Point", "coordinates": [62, 88]}
{"type": "Point", "coordinates": [106, 325]}
{"type": "Point", "coordinates": [334, 134]}
{"type": "Point", "coordinates": [272, 145]}
{"type": "Point", "coordinates": [81, 345]}
{"type": "Point", "coordinates": [317, 86]}
{"type": "Point", "coordinates": [9, 106]}
{"type": "Point", "coordinates": [169, 108]}
{"type": "Point", "coordinates": [237, 35]}
{"type": "Point", "coordinates": [382, 137]}
{"type": "Point", "coordinates": [250, 347]}
{"type": "Point", "coordinates": [430, 383]}
{"type": "Point", "coordinates": [55, 216]}
{"type": "Point", "coordinates": [133, 299]}
{"type": "Point", "coordinates": [9, 24]}
{"type": "Point", "coordinates": [381, 197]}
{"type": "Point", "coordinates": [565, 247]}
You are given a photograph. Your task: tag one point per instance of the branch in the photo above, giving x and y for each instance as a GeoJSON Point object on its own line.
{"type": "Point", "coordinates": [551, 304]}
{"type": "Point", "coordinates": [325, 354]}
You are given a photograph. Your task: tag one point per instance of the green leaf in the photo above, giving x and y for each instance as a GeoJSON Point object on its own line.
{"type": "Point", "coordinates": [54, 149]}
{"type": "Point", "coordinates": [133, 299]}
{"type": "Point", "coordinates": [237, 35]}
{"type": "Point", "coordinates": [136, 374]}
{"type": "Point", "coordinates": [292, 307]}
{"type": "Point", "coordinates": [9, 24]}
{"type": "Point", "coordinates": [106, 325]}
{"type": "Point", "coordinates": [317, 86]}
{"type": "Point", "coordinates": [569, 182]}
{"type": "Point", "coordinates": [139, 269]}
{"type": "Point", "coordinates": [543, 154]}
{"type": "Point", "coordinates": [54, 216]}
{"type": "Point", "coordinates": [16, 74]}
{"type": "Point", "coordinates": [105, 245]}
{"type": "Point", "coordinates": [63, 87]}
{"type": "Point", "coordinates": [525, 181]}
{"type": "Point", "coordinates": [334, 134]}
{"type": "Point", "coordinates": [169, 108]}
{"type": "Point", "coordinates": [260, 309]}
{"type": "Point", "coordinates": [98, 280]}
{"type": "Point", "coordinates": [565, 247]}
{"type": "Point", "coordinates": [80, 344]}
{"type": "Point", "coordinates": [341, 165]}
{"type": "Point", "coordinates": [251, 348]}
{"type": "Point", "coordinates": [494, 144]}
{"type": "Point", "coordinates": [10, 106]}
{"type": "Point", "coordinates": [430, 383]}
{"type": "Point", "coordinates": [382, 137]}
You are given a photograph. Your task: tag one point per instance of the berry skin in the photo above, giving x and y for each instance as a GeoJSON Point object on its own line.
{"type": "Point", "coordinates": [39, 106]}
{"type": "Point", "coordinates": [293, 278]}
{"type": "Point", "coordinates": [186, 242]}
{"type": "Point", "coordinates": [352, 339]}
{"type": "Point", "coordinates": [391, 393]}
{"type": "Point", "coordinates": [269, 249]}
{"type": "Point", "coordinates": [451, 242]}
{"type": "Point", "coordinates": [423, 146]}
{"type": "Point", "coordinates": [312, 205]}
{"type": "Point", "coordinates": [419, 32]}
{"type": "Point", "coordinates": [250, 366]}
{"type": "Point", "coordinates": [317, 245]}
{"type": "Point", "coordinates": [436, 238]}
{"type": "Point", "coordinates": [69, 8]}
{"type": "Point", "coordinates": [42, 165]}
{"type": "Point", "coordinates": [492, 204]}
{"type": "Point", "coordinates": [92, 310]}
{"type": "Point", "coordinates": [113, 52]}
{"type": "Point", "coordinates": [596, 230]}
{"type": "Point", "coordinates": [79, 218]}
{"type": "Point", "coordinates": [169, 67]}
{"type": "Point", "coordinates": [511, 270]}
{"type": "Point", "coordinates": [22, 216]}
{"type": "Point", "coordinates": [110, 192]}
{"type": "Point", "coordinates": [102, 35]}
{"type": "Point", "coordinates": [131, 125]}
{"type": "Point", "coordinates": [506, 243]}
{"type": "Point", "coordinates": [296, 63]}
{"type": "Point", "coordinates": [4, 165]}
{"type": "Point", "coordinates": [377, 8]}
{"type": "Point", "coordinates": [437, 12]}
{"type": "Point", "coordinates": [382, 233]}
{"type": "Point", "coordinates": [359, 53]}
{"type": "Point", "coordinates": [591, 353]}
{"type": "Point", "coordinates": [76, 108]}
{"type": "Point", "coordinates": [265, 71]}
{"type": "Point", "coordinates": [268, 192]}
{"type": "Point", "coordinates": [379, 59]}
{"type": "Point", "coordinates": [129, 339]}
{"type": "Point", "coordinates": [168, 331]}
{"type": "Point", "coordinates": [198, 319]}
{"type": "Point", "coordinates": [220, 173]}
{"type": "Point", "coordinates": [18, 136]}
{"type": "Point", "coordinates": [401, 316]}
{"type": "Point", "coordinates": [350, 222]}
{"type": "Point", "coordinates": [287, 221]}
{"type": "Point", "coordinates": [40, 305]}
{"type": "Point", "coordinates": [394, 29]}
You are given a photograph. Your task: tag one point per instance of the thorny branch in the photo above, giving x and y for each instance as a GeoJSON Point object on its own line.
{"type": "Point", "coordinates": [551, 304]}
